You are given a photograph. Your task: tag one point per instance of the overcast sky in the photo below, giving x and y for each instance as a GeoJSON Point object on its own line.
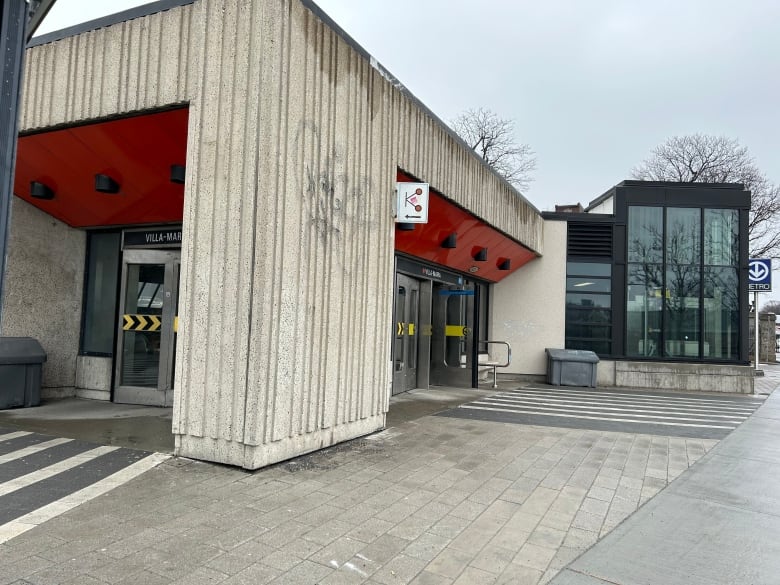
{"type": "Point", "coordinates": [592, 85]}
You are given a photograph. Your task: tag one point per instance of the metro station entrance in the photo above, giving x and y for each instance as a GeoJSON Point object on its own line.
{"type": "Point", "coordinates": [440, 327]}
{"type": "Point", "coordinates": [147, 326]}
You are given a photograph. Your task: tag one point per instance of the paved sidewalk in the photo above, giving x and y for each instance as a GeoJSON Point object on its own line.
{"type": "Point", "coordinates": [431, 501]}
{"type": "Point", "coordinates": [717, 524]}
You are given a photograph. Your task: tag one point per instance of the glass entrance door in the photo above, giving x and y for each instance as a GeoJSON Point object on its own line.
{"type": "Point", "coordinates": [405, 346]}
{"type": "Point", "coordinates": [146, 346]}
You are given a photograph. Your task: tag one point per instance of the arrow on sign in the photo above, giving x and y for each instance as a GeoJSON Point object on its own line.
{"type": "Point", "coordinates": [413, 216]}
{"type": "Point", "coordinates": [758, 271]}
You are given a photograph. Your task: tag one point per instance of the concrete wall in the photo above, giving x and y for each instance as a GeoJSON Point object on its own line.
{"type": "Point", "coordinates": [676, 376]}
{"type": "Point", "coordinates": [607, 207]}
{"type": "Point", "coordinates": [529, 306]}
{"type": "Point", "coordinates": [43, 288]}
{"type": "Point", "coordinates": [93, 377]}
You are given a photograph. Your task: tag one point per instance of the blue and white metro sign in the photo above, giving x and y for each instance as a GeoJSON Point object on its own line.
{"type": "Point", "coordinates": [760, 275]}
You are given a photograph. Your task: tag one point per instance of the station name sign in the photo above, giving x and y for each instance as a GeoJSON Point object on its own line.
{"type": "Point", "coordinates": [153, 238]}
{"type": "Point", "coordinates": [424, 271]}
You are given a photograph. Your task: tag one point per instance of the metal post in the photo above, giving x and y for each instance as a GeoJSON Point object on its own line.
{"type": "Point", "coordinates": [13, 19]}
{"type": "Point", "coordinates": [757, 341]}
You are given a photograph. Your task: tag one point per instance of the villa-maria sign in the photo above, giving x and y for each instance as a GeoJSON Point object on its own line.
{"type": "Point", "coordinates": [760, 275]}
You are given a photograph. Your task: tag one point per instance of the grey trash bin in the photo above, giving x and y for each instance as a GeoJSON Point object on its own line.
{"type": "Point", "coordinates": [21, 359]}
{"type": "Point", "coordinates": [571, 367]}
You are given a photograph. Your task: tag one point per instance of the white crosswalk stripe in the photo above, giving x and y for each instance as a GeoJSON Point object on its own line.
{"type": "Point", "coordinates": [42, 477]}
{"type": "Point", "coordinates": [685, 414]}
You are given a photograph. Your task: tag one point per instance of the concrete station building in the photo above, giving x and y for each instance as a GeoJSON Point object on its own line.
{"type": "Point", "coordinates": [205, 217]}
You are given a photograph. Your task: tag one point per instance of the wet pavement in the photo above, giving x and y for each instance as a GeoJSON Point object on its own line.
{"type": "Point", "coordinates": [146, 428]}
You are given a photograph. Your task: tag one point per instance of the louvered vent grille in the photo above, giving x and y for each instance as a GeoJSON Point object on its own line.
{"type": "Point", "coordinates": [590, 239]}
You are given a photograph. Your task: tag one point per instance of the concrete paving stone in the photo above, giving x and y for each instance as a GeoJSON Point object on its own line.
{"type": "Point", "coordinates": [594, 506]}
{"type": "Point", "coordinates": [534, 556]}
{"type": "Point", "coordinates": [563, 556]}
{"type": "Point", "coordinates": [257, 574]}
{"type": "Point", "coordinates": [539, 501]}
{"type": "Point", "coordinates": [23, 568]}
{"type": "Point", "coordinates": [253, 550]}
{"type": "Point", "coordinates": [327, 532]}
{"type": "Point", "coordinates": [452, 496]}
{"type": "Point", "coordinates": [449, 526]}
{"type": "Point", "coordinates": [515, 574]}
{"type": "Point", "coordinates": [547, 536]}
{"type": "Point", "coordinates": [434, 510]}
{"type": "Point", "coordinates": [399, 569]}
{"type": "Point", "coordinates": [303, 548]}
{"type": "Point", "coordinates": [282, 559]}
{"type": "Point", "coordinates": [489, 491]}
{"type": "Point", "coordinates": [202, 576]}
{"type": "Point", "coordinates": [369, 530]}
{"type": "Point", "coordinates": [383, 549]}
{"type": "Point", "coordinates": [450, 563]}
{"type": "Point", "coordinates": [493, 559]}
{"type": "Point", "coordinates": [83, 580]}
{"type": "Point", "coordinates": [236, 536]}
{"type": "Point", "coordinates": [342, 576]}
{"type": "Point", "coordinates": [479, 532]}
{"type": "Point", "coordinates": [411, 527]}
{"type": "Point", "coordinates": [473, 576]}
{"type": "Point", "coordinates": [231, 563]}
{"type": "Point", "coordinates": [427, 578]}
{"type": "Point", "coordinates": [74, 548]}
{"type": "Point", "coordinates": [501, 509]}
{"type": "Point", "coordinates": [579, 538]}
{"type": "Point", "coordinates": [588, 521]}
{"type": "Point", "coordinates": [359, 514]}
{"type": "Point", "coordinates": [304, 573]}
{"type": "Point", "coordinates": [337, 553]}
{"type": "Point", "coordinates": [468, 509]}
{"type": "Point", "coordinates": [557, 520]}
{"type": "Point", "coordinates": [602, 493]}
{"type": "Point", "coordinates": [426, 547]}
{"type": "Point", "coordinates": [397, 511]}
{"type": "Point", "coordinates": [284, 533]}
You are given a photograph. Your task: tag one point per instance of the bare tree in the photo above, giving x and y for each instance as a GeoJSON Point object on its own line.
{"type": "Point", "coordinates": [771, 307]}
{"type": "Point", "coordinates": [493, 138]}
{"type": "Point", "coordinates": [701, 158]}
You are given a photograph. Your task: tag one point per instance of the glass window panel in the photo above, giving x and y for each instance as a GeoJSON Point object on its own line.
{"type": "Point", "coordinates": [585, 284]}
{"type": "Point", "coordinates": [645, 234]}
{"type": "Point", "coordinates": [588, 300]}
{"type": "Point", "coordinates": [683, 236]}
{"type": "Point", "coordinates": [589, 269]}
{"type": "Point", "coordinates": [588, 315]}
{"type": "Point", "coordinates": [100, 295]}
{"type": "Point", "coordinates": [599, 347]}
{"type": "Point", "coordinates": [682, 311]}
{"type": "Point", "coordinates": [721, 313]}
{"type": "Point", "coordinates": [590, 331]}
{"type": "Point", "coordinates": [721, 237]}
{"type": "Point", "coordinates": [643, 321]}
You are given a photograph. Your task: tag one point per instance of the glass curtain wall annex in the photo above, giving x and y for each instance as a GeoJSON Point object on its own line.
{"type": "Point", "coordinates": [682, 283]}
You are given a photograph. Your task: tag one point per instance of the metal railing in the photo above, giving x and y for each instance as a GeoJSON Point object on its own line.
{"type": "Point", "coordinates": [496, 364]}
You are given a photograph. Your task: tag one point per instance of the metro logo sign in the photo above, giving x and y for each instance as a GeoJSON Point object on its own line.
{"type": "Point", "coordinates": [760, 275]}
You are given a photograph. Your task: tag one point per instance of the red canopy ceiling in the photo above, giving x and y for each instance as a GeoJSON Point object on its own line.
{"type": "Point", "coordinates": [136, 152]}
{"type": "Point", "coordinates": [471, 236]}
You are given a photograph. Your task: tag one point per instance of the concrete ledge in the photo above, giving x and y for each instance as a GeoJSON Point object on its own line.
{"type": "Point", "coordinates": [679, 376]}
{"type": "Point", "coordinates": [93, 394]}
{"type": "Point", "coordinates": [257, 456]}
{"type": "Point", "coordinates": [57, 392]}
